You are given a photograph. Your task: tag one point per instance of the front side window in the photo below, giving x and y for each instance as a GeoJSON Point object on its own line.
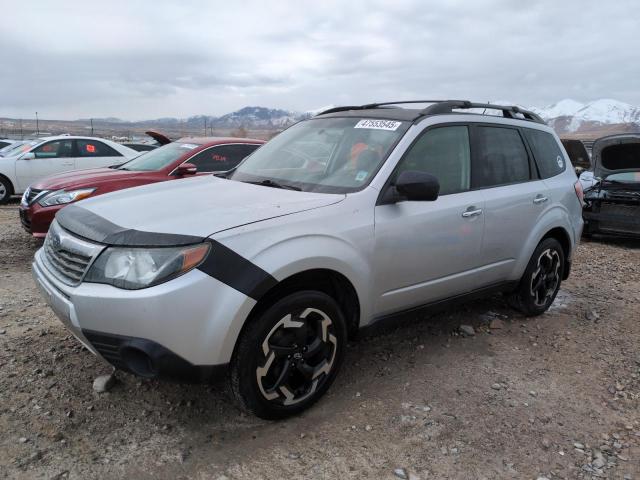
{"type": "Point", "coordinates": [94, 148]}
{"type": "Point", "coordinates": [159, 158]}
{"type": "Point", "coordinates": [55, 149]}
{"type": "Point", "coordinates": [328, 155]}
{"type": "Point", "coordinates": [546, 153]}
{"type": "Point", "coordinates": [444, 153]}
{"type": "Point", "coordinates": [501, 157]}
{"type": "Point", "coordinates": [222, 157]}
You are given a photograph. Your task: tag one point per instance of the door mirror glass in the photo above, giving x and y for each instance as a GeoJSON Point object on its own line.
{"type": "Point", "coordinates": [416, 185]}
{"type": "Point", "coordinates": [186, 169]}
{"type": "Point", "coordinates": [28, 156]}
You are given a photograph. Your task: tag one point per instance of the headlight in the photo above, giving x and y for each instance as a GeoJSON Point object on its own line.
{"type": "Point", "coordinates": [60, 197]}
{"type": "Point", "coordinates": [135, 268]}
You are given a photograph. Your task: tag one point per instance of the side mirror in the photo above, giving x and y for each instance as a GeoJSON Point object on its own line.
{"type": "Point", "coordinates": [186, 169]}
{"type": "Point", "coordinates": [416, 185]}
{"type": "Point", "coordinates": [28, 156]}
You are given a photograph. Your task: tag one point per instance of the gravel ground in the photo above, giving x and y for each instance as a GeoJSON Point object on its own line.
{"type": "Point", "coordinates": [555, 396]}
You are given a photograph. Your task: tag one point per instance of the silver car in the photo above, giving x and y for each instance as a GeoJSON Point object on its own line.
{"type": "Point", "coordinates": [356, 216]}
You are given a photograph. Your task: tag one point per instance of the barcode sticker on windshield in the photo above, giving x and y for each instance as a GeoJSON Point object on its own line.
{"type": "Point", "coordinates": [378, 124]}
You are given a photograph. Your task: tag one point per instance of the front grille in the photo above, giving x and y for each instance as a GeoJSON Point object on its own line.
{"type": "Point", "coordinates": [66, 256]}
{"type": "Point", "coordinates": [69, 265]}
{"type": "Point", "coordinates": [32, 193]}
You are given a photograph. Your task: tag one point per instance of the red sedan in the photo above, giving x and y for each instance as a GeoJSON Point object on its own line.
{"type": "Point", "coordinates": [184, 157]}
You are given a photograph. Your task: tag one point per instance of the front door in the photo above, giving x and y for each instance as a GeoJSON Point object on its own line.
{"type": "Point", "coordinates": [429, 250]}
{"type": "Point", "coordinates": [51, 158]}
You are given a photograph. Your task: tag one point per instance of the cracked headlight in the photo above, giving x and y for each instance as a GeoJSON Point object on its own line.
{"type": "Point", "coordinates": [60, 197]}
{"type": "Point", "coordinates": [135, 268]}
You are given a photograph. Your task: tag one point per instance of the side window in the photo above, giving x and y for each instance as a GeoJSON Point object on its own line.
{"type": "Point", "coordinates": [546, 153]}
{"type": "Point", "coordinates": [55, 149]}
{"type": "Point", "coordinates": [221, 158]}
{"type": "Point", "coordinates": [443, 152]}
{"type": "Point", "coordinates": [95, 148]}
{"type": "Point", "coordinates": [501, 157]}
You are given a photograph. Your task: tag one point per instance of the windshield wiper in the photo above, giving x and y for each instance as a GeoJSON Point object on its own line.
{"type": "Point", "coordinates": [270, 183]}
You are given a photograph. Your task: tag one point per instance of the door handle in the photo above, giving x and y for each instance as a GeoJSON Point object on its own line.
{"type": "Point", "coordinates": [540, 199]}
{"type": "Point", "coordinates": [472, 213]}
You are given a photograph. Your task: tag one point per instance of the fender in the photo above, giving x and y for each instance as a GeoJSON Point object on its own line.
{"type": "Point", "coordinates": [554, 216]}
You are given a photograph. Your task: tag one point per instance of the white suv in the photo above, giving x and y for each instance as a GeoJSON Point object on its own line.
{"type": "Point", "coordinates": [352, 217]}
{"type": "Point", "coordinates": [52, 155]}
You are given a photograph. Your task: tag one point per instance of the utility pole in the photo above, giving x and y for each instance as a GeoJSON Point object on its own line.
{"type": "Point", "coordinates": [21, 132]}
{"type": "Point", "coordinates": [91, 127]}
{"type": "Point", "coordinates": [205, 126]}
{"type": "Point", "coordinates": [37, 125]}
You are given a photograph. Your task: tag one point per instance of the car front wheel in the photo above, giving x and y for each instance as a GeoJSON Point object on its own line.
{"type": "Point", "coordinates": [541, 280]}
{"type": "Point", "coordinates": [289, 355]}
{"type": "Point", "coordinates": [5, 191]}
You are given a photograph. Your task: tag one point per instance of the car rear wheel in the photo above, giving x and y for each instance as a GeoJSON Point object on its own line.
{"type": "Point", "coordinates": [5, 191]}
{"type": "Point", "coordinates": [541, 280]}
{"type": "Point", "coordinates": [289, 355]}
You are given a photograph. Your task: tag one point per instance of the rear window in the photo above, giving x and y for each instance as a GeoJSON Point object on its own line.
{"type": "Point", "coordinates": [94, 148]}
{"type": "Point", "coordinates": [501, 157]}
{"type": "Point", "coordinates": [546, 153]}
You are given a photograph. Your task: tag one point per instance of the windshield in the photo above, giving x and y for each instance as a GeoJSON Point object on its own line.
{"type": "Point", "coordinates": [18, 148]}
{"type": "Point", "coordinates": [626, 177]}
{"type": "Point", "coordinates": [159, 158]}
{"type": "Point", "coordinates": [328, 155]}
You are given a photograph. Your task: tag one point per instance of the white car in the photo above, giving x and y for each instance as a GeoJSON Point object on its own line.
{"type": "Point", "coordinates": [53, 155]}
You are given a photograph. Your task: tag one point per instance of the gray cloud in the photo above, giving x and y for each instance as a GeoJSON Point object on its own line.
{"type": "Point", "coordinates": [145, 59]}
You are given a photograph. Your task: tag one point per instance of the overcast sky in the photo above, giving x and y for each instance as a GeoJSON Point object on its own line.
{"type": "Point", "coordinates": [148, 59]}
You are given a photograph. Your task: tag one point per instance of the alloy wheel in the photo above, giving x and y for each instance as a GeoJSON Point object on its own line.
{"type": "Point", "coordinates": [299, 354]}
{"type": "Point", "coordinates": [546, 277]}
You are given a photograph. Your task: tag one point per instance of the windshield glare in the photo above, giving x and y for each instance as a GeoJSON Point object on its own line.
{"type": "Point", "coordinates": [17, 148]}
{"type": "Point", "coordinates": [328, 155]}
{"type": "Point", "coordinates": [631, 177]}
{"type": "Point", "coordinates": [159, 158]}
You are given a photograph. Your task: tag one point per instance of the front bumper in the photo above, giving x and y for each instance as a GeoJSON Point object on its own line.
{"type": "Point", "coordinates": [184, 329]}
{"type": "Point", "coordinates": [620, 220]}
{"type": "Point", "coordinates": [36, 219]}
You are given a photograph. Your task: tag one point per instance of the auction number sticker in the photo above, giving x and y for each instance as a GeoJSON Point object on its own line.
{"type": "Point", "coordinates": [378, 124]}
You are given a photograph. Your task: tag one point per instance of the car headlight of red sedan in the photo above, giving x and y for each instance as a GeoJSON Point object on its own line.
{"type": "Point", "coordinates": [60, 197]}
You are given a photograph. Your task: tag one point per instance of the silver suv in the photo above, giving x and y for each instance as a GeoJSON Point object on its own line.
{"type": "Point", "coordinates": [355, 216]}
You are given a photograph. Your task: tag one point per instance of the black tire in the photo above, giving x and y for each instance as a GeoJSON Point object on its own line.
{"type": "Point", "coordinates": [6, 190]}
{"type": "Point", "coordinates": [304, 335]}
{"type": "Point", "coordinates": [541, 280]}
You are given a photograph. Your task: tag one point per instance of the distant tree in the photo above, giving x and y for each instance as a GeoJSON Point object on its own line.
{"type": "Point", "coordinates": [239, 132]}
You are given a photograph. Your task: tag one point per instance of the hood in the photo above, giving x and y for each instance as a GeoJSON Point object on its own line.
{"type": "Point", "coordinates": [158, 137]}
{"type": "Point", "coordinates": [196, 207]}
{"type": "Point", "coordinates": [616, 154]}
{"type": "Point", "coordinates": [82, 178]}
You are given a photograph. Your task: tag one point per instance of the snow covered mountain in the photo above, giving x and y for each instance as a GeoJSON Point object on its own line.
{"type": "Point", "coordinates": [569, 116]}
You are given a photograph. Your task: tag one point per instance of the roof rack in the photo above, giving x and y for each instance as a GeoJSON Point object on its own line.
{"type": "Point", "coordinates": [439, 107]}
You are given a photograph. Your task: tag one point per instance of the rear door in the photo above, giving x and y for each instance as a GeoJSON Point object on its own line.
{"type": "Point", "coordinates": [52, 157]}
{"type": "Point", "coordinates": [94, 153]}
{"type": "Point", "coordinates": [514, 196]}
{"type": "Point", "coordinates": [426, 251]}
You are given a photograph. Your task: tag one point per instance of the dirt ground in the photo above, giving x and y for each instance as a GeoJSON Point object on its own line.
{"type": "Point", "coordinates": [555, 396]}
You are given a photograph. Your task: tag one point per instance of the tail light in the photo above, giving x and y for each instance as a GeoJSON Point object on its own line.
{"type": "Point", "coordinates": [579, 192]}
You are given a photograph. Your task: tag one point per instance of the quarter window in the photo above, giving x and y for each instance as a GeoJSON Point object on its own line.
{"type": "Point", "coordinates": [55, 149]}
{"type": "Point", "coordinates": [221, 158]}
{"type": "Point", "coordinates": [501, 157]}
{"type": "Point", "coordinates": [546, 153]}
{"type": "Point", "coordinates": [443, 152]}
{"type": "Point", "coordinates": [94, 148]}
